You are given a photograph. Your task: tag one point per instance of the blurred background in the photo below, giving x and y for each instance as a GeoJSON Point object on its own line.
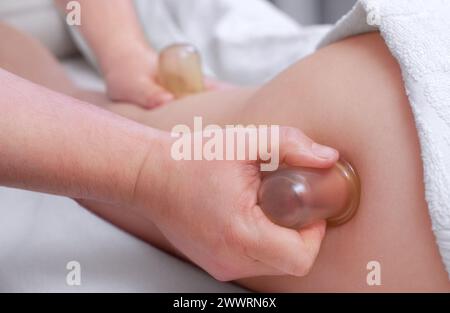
{"type": "Point", "coordinates": [309, 12]}
{"type": "Point", "coordinates": [40, 19]}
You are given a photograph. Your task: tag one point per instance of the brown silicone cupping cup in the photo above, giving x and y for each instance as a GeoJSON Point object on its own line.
{"type": "Point", "coordinates": [180, 70]}
{"type": "Point", "coordinates": [295, 197]}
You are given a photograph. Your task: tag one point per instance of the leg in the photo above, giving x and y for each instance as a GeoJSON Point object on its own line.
{"type": "Point", "coordinates": [25, 57]}
{"type": "Point", "coordinates": [351, 96]}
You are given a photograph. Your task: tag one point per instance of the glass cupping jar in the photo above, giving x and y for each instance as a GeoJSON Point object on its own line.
{"type": "Point", "coordinates": [295, 197]}
{"type": "Point", "coordinates": [180, 70]}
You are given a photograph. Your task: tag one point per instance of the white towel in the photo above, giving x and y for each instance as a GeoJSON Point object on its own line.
{"type": "Point", "coordinates": [417, 32]}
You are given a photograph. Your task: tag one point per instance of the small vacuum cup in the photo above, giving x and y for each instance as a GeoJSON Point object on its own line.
{"type": "Point", "coordinates": [180, 70]}
{"type": "Point", "coordinates": [295, 197]}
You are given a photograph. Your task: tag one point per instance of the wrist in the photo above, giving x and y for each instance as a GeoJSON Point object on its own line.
{"type": "Point", "coordinates": [152, 175]}
{"type": "Point", "coordinates": [136, 153]}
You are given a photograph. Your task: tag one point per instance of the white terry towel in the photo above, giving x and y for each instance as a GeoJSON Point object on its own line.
{"type": "Point", "coordinates": [243, 42]}
{"type": "Point", "coordinates": [417, 32]}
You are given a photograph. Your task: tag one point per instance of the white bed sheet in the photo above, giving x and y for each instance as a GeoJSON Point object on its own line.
{"type": "Point", "coordinates": [40, 234]}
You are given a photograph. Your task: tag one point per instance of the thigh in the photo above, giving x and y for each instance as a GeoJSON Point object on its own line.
{"type": "Point", "coordinates": [24, 56]}
{"type": "Point", "coordinates": [351, 96]}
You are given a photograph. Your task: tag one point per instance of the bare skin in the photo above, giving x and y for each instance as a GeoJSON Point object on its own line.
{"type": "Point", "coordinates": [350, 96]}
{"type": "Point", "coordinates": [126, 60]}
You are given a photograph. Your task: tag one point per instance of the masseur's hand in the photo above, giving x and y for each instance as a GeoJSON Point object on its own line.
{"type": "Point", "coordinates": [129, 64]}
{"type": "Point", "coordinates": [208, 210]}
{"type": "Point", "coordinates": [131, 76]}
{"type": "Point", "coordinates": [127, 61]}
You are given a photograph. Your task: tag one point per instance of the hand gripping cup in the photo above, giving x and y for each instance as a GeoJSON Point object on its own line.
{"type": "Point", "coordinates": [295, 197]}
{"type": "Point", "coordinates": [180, 70]}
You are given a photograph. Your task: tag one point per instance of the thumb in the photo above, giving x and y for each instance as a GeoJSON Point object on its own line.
{"type": "Point", "coordinates": [297, 149]}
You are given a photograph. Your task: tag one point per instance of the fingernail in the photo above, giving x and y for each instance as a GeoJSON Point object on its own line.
{"type": "Point", "coordinates": [323, 152]}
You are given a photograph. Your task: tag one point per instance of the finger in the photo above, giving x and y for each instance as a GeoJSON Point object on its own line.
{"type": "Point", "coordinates": [297, 149]}
{"type": "Point", "coordinates": [289, 251]}
{"type": "Point", "coordinates": [157, 96]}
{"type": "Point", "coordinates": [312, 237]}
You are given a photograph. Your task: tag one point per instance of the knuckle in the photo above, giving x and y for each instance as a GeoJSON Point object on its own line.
{"type": "Point", "coordinates": [291, 134]}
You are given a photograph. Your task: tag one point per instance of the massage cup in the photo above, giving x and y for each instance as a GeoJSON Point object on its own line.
{"type": "Point", "coordinates": [295, 197]}
{"type": "Point", "coordinates": [180, 70]}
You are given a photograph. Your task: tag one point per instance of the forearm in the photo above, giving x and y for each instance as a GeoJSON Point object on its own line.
{"type": "Point", "coordinates": [55, 144]}
{"type": "Point", "coordinates": [112, 30]}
